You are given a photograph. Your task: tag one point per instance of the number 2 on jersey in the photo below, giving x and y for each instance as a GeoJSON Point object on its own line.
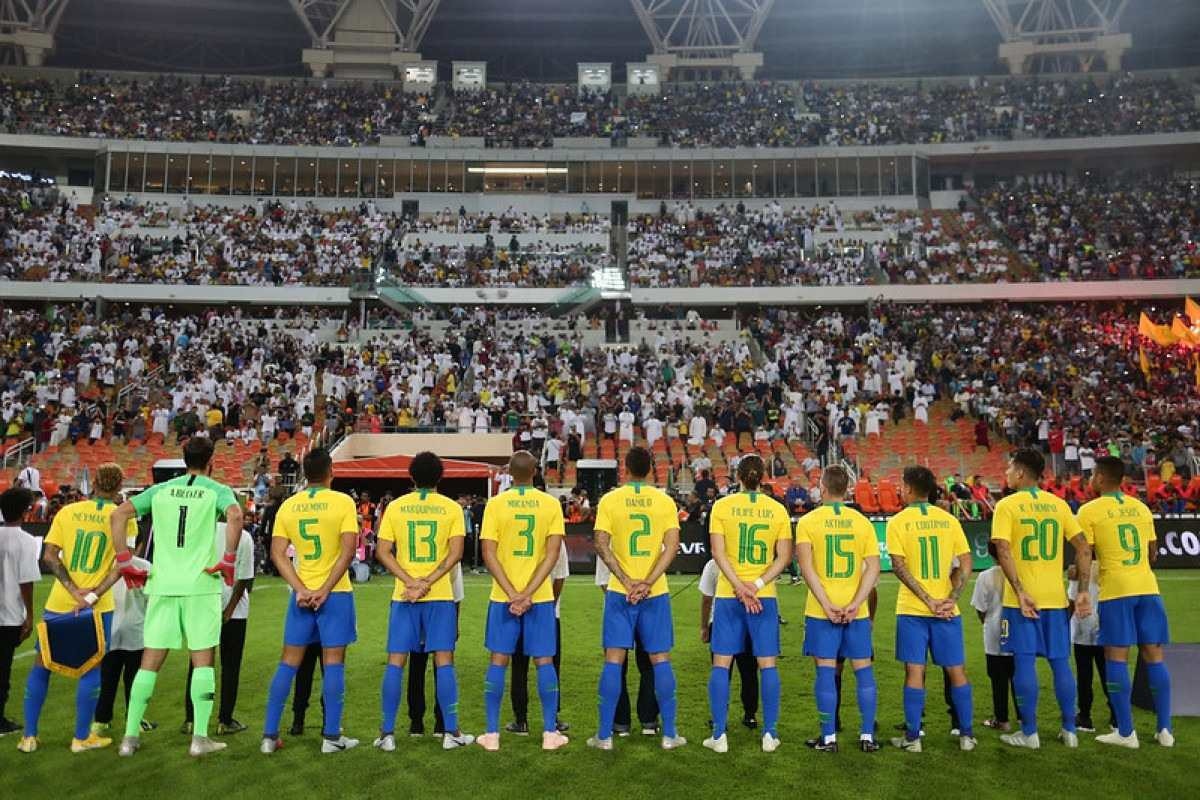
{"type": "Point", "coordinates": [315, 538]}
{"type": "Point", "coordinates": [530, 522]}
{"type": "Point", "coordinates": [643, 522]}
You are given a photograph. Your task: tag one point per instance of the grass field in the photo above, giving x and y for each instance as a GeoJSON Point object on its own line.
{"type": "Point", "coordinates": [637, 768]}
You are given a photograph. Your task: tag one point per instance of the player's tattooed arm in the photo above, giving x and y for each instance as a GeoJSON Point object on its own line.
{"type": "Point", "coordinates": [603, 540]}
{"type": "Point", "coordinates": [900, 568]}
{"type": "Point", "coordinates": [1083, 568]}
{"type": "Point", "coordinates": [53, 562]}
{"type": "Point", "coordinates": [1008, 566]}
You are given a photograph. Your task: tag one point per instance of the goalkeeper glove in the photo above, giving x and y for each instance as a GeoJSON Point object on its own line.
{"type": "Point", "coordinates": [224, 568]}
{"type": "Point", "coordinates": [134, 575]}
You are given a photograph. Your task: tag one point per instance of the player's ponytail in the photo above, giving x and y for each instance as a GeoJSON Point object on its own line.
{"type": "Point", "coordinates": [750, 472]}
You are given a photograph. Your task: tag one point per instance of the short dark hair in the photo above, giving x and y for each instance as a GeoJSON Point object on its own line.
{"type": "Point", "coordinates": [836, 479]}
{"type": "Point", "coordinates": [1111, 468]}
{"type": "Point", "coordinates": [317, 465]}
{"type": "Point", "coordinates": [14, 503]}
{"type": "Point", "coordinates": [1031, 460]}
{"type": "Point", "coordinates": [920, 481]}
{"type": "Point", "coordinates": [638, 462]}
{"type": "Point", "coordinates": [426, 470]}
{"type": "Point", "coordinates": [750, 471]}
{"type": "Point", "coordinates": [197, 452]}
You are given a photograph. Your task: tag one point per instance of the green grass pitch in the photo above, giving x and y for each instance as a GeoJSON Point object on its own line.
{"type": "Point", "coordinates": [637, 767]}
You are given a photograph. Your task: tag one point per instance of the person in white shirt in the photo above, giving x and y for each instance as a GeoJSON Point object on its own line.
{"type": "Point", "coordinates": [235, 600]}
{"type": "Point", "coordinates": [921, 409]}
{"type": "Point", "coordinates": [626, 419]}
{"type": "Point", "coordinates": [124, 654]}
{"type": "Point", "coordinates": [19, 571]}
{"type": "Point", "coordinates": [654, 430]}
{"type": "Point", "coordinates": [30, 477]}
{"type": "Point", "coordinates": [747, 664]}
{"type": "Point", "coordinates": [717, 434]}
{"type": "Point", "coordinates": [610, 425]}
{"type": "Point", "coordinates": [552, 457]}
{"type": "Point", "coordinates": [647, 702]}
{"type": "Point", "coordinates": [988, 601]}
{"type": "Point", "coordinates": [1089, 654]}
{"type": "Point", "coordinates": [519, 695]}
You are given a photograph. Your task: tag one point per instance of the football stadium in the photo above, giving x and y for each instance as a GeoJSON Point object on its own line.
{"type": "Point", "coordinates": [593, 398]}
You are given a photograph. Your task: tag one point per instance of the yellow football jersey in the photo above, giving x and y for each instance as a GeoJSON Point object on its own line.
{"type": "Point", "coordinates": [928, 539]}
{"type": "Point", "coordinates": [519, 521]}
{"type": "Point", "coordinates": [752, 523]}
{"type": "Point", "coordinates": [841, 539]}
{"type": "Point", "coordinates": [421, 524]}
{"type": "Point", "coordinates": [1035, 523]}
{"type": "Point", "coordinates": [314, 521]}
{"type": "Point", "coordinates": [82, 531]}
{"type": "Point", "coordinates": [637, 517]}
{"type": "Point", "coordinates": [1121, 529]}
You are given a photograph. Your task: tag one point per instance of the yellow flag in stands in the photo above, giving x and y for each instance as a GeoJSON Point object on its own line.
{"type": "Point", "coordinates": [1181, 331]}
{"type": "Point", "coordinates": [1192, 309]}
{"type": "Point", "coordinates": [1145, 362]}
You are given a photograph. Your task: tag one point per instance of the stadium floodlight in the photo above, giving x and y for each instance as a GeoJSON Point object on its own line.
{"type": "Point", "coordinates": [27, 28]}
{"type": "Point", "coordinates": [704, 32]}
{"type": "Point", "coordinates": [1049, 35]}
{"type": "Point", "coordinates": [407, 19]}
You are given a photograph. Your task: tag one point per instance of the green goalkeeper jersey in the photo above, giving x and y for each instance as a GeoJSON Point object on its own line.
{"type": "Point", "coordinates": [184, 514]}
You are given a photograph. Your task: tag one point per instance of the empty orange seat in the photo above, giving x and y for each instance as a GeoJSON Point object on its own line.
{"type": "Point", "coordinates": [889, 498]}
{"type": "Point", "coordinates": [864, 495]}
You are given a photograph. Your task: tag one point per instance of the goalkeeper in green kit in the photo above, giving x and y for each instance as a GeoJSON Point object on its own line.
{"type": "Point", "coordinates": [183, 585]}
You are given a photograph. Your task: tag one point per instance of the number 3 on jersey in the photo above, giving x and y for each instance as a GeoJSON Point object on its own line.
{"type": "Point", "coordinates": [530, 522]}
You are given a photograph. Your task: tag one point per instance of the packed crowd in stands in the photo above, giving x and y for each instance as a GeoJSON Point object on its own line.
{"type": "Point", "coordinates": [816, 246]}
{"type": "Point", "coordinates": [528, 115]}
{"type": "Point", "coordinates": [1065, 377]}
{"type": "Point", "coordinates": [1097, 230]}
{"type": "Point", "coordinates": [42, 238]}
{"type": "Point", "coordinates": [511, 220]}
{"type": "Point", "coordinates": [780, 114]}
{"type": "Point", "coordinates": [456, 266]}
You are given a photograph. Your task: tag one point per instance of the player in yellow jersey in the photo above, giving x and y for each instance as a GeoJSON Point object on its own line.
{"type": "Point", "coordinates": [839, 557]}
{"type": "Point", "coordinates": [932, 561]}
{"type": "Point", "coordinates": [1029, 527]}
{"type": "Point", "coordinates": [750, 536]}
{"type": "Point", "coordinates": [322, 526]}
{"type": "Point", "coordinates": [1120, 529]}
{"type": "Point", "coordinates": [420, 543]}
{"type": "Point", "coordinates": [637, 537]}
{"type": "Point", "coordinates": [81, 558]}
{"type": "Point", "coordinates": [521, 535]}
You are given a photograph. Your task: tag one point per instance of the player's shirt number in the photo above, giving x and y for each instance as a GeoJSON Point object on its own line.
{"type": "Point", "coordinates": [526, 533]}
{"type": "Point", "coordinates": [427, 542]}
{"type": "Point", "coordinates": [312, 538]}
{"type": "Point", "coordinates": [751, 550]}
{"type": "Point", "coordinates": [1041, 543]}
{"type": "Point", "coordinates": [839, 562]}
{"type": "Point", "coordinates": [88, 551]}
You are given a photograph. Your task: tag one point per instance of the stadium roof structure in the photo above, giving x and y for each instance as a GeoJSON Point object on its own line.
{"type": "Point", "coordinates": [544, 39]}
